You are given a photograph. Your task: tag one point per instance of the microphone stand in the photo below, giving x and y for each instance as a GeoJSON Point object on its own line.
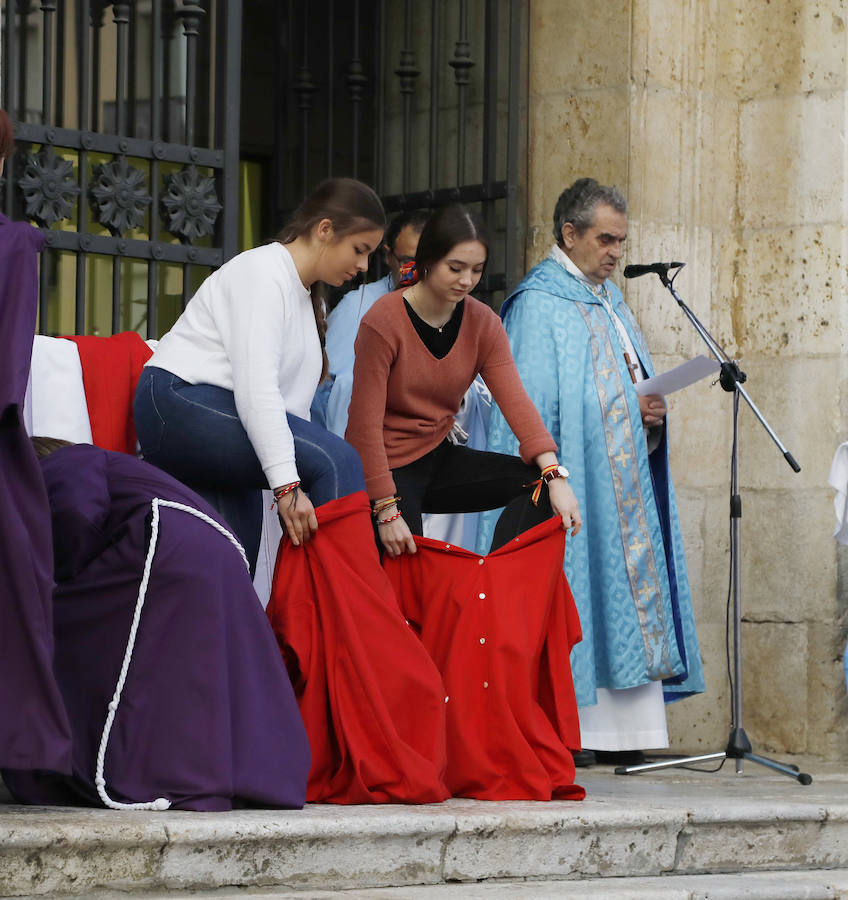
{"type": "Point", "coordinates": [738, 745]}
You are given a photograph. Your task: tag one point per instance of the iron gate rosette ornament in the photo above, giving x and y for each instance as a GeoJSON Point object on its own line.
{"type": "Point", "coordinates": [48, 186]}
{"type": "Point", "coordinates": [191, 204]}
{"type": "Point", "coordinates": [118, 196]}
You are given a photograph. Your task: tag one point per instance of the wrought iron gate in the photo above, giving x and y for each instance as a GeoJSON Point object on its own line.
{"type": "Point", "coordinates": [424, 100]}
{"type": "Point", "coordinates": [127, 121]}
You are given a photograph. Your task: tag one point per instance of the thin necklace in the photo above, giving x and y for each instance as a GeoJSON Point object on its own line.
{"type": "Point", "coordinates": [411, 299]}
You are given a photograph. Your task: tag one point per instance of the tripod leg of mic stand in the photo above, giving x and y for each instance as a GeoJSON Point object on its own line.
{"type": "Point", "coordinates": [791, 771]}
{"type": "Point", "coordinates": [670, 763]}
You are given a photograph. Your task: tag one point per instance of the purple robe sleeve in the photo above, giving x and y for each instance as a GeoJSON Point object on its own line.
{"type": "Point", "coordinates": [34, 731]}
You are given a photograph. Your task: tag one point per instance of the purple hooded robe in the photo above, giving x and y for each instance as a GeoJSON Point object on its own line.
{"type": "Point", "coordinates": [207, 717]}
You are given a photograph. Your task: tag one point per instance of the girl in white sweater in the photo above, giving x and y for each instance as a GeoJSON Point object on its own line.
{"type": "Point", "coordinates": [223, 403]}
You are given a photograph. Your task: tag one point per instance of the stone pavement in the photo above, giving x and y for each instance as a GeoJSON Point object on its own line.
{"type": "Point", "coordinates": [673, 835]}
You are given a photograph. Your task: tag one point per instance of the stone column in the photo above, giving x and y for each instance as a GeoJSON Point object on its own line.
{"type": "Point", "coordinates": [724, 123]}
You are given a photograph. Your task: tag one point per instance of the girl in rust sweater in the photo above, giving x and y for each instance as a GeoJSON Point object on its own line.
{"type": "Point", "coordinates": [417, 351]}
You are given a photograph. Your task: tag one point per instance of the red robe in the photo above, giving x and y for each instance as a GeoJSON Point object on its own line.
{"type": "Point", "coordinates": [371, 699]}
{"type": "Point", "coordinates": [111, 367]}
{"type": "Point", "coordinates": [500, 629]}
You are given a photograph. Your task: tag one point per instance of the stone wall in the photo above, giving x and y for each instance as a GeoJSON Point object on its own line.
{"type": "Point", "coordinates": [724, 123]}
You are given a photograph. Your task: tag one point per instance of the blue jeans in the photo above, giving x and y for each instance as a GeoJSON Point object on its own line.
{"type": "Point", "coordinates": [318, 410]}
{"type": "Point", "coordinates": [193, 432]}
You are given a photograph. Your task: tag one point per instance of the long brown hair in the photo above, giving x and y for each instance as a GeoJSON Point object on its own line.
{"type": "Point", "coordinates": [351, 206]}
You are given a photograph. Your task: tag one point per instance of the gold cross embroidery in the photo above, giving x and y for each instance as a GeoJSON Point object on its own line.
{"type": "Point", "coordinates": [615, 414]}
{"type": "Point", "coordinates": [644, 592]}
{"type": "Point", "coordinates": [605, 372]}
{"type": "Point", "coordinates": [622, 457]}
{"type": "Point", "coordinates": [638, 546]}
{"type": "Point", "coordinates": [630, 503]}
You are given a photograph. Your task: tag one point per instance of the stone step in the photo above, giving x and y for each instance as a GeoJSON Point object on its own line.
{"type": "Point", "coordinates": [666, 824]}
{"type": "Point", "coordinates": [779, 885]}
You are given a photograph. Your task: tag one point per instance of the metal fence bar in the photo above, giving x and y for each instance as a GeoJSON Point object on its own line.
{"type": "Point", "coordinates": [117, 272]}
{"type": "Point", "coordinates": [516, 121]}
{"type": "Point", "coordinates": [229, 117]}
{"type": "Point", "coordinates": [23, 53]}
{"type": "Point", "coordinates": [132, 65]}
{"type": "Point", "coordinates": [10, 59]}
{"type": "Point", "coordinates": [107, 245]}
{"type": "Point", "coordinates": [465, 193]}
{"type": "Point", "coordinates": [43, 290]}
{"type": "Point", "coordinates": [116, 144]}
{"type": "Point", "coordinates": [121, 15]}
{"type": "Point", "coordinates": [84, 122]}
{"type": "Point", "coordinates": [380, 130]}
{"type": "Point", "coordinates": [48, 22]}
{"type": "Point", "coordinates": [58, 91]}
{"type": "Point", "coordinates": [190, 13]}
{"type": "Point", "coordinates": [156, 73]}
{"type": "Point", "coordinates": [356, 82]}
{"type": "Point", "coordinates": [186, 290]}
{"type": "Point", "coordinates": [435, 54]}
{"type": "Point", "coordinates": [167, 71]}
{"type": "Point", "coordinates": [490, 107]}
{"type": "Point", "coordinates": [330, 86]}
{"type": "Point", "coordinates": [304, 87]}
{"type": "Point", "coordinates": [284, 163]}
{"type": "Point", "coordinates": [84, 62]}
{"type": "Point", "coordinates": [461, 64]}
{"type": "Point", "coordinates": [97, 30]}
{"type": "Point", "coordinates": [407, 72]}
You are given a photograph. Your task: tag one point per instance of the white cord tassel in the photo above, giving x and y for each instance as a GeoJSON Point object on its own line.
{"type": "Point", "coordinates": [160, 803]}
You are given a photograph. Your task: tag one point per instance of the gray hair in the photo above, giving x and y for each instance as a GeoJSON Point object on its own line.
{"type": "Point", "coordinates": [577, 205]}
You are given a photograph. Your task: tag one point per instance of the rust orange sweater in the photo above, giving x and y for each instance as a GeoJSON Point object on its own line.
{"type": "Point", "coordinates": [404, 399]}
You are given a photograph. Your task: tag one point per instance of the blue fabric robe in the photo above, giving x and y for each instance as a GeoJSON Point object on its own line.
{"type": "Point", "coordinates": [342, 327]}
{"type": "Point", "coordinates": [626, 568]}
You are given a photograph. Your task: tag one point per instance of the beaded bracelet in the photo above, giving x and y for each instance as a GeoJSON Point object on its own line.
{"type": "Point", "coordinates": [397, 515]}
{"type": "Point", "coordinates": [537, 484]}
{"type": "Point", "coordinates": [281, 492]}
{"type": "Point", "coordinates": [380, 505]}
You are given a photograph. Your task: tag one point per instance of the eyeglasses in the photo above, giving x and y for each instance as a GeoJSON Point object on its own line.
{"type": "Point", "coordinates": [401, 259]}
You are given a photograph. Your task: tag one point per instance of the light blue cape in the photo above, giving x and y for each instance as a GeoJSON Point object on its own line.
{"type": "Point", "coordinates": [626, 568]}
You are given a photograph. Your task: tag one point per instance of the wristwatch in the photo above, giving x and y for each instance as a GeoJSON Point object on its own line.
{"type": "Point", "coordinates": [558, 472]}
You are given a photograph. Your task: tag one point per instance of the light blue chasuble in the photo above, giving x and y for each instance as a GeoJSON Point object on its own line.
{"type": "Point", "coordinates": [626, 568]}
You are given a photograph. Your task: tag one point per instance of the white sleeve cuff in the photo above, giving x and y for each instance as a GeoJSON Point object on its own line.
{"type": "Point", "coordinates": [281, 474]}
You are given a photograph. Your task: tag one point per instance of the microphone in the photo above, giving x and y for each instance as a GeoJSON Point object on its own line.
{"type": "Point", "coordinates": [656, 268]}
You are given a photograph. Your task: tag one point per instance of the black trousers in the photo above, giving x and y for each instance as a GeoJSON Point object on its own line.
{"type": "Point", "coordinates": [457, 479]}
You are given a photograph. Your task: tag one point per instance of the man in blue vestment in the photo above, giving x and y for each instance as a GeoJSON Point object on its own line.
{"type": "Point", "coordinates": [399, 246]}
{"type": "Point", "coordinates": [579, 352]}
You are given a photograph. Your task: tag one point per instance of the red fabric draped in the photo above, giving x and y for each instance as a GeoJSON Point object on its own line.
{"type": "Point", "coordinates": [111, 367]}
{"type": "Point", "coordinates": [500, 629]}
{"type": "Point", "coordinates": [371, 698]}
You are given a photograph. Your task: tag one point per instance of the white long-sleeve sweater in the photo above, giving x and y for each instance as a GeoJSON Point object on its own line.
{"type": "Point", "coordinates": [250, 329]}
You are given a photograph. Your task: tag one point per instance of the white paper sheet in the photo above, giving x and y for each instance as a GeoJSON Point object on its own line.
{"type": "Point", "coordinates": [679, 377]}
